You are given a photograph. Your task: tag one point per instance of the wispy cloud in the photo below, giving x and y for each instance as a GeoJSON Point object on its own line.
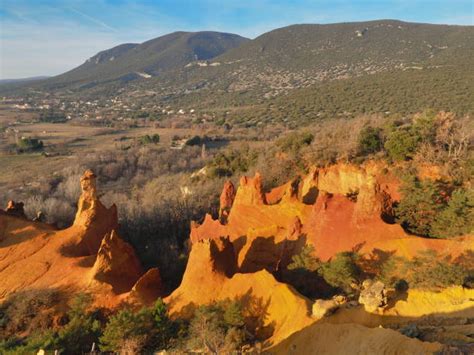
{"type": "Point", "coordinates": [92, 19]}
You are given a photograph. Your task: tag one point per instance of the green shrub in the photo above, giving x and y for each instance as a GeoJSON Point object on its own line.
{"type": "Point", "coordinates": [401, 144]}
{"type": "Point", "coordinates": [429, 208]}
{"type": "Point", "coordinates": [457, 218]}
{"type": "Point", "coordinates": [196, 140]}
{"type": "Point", "coordinates": [428, 270]}
{"type": "Point", "coordinates": [369, 141]}
{"type": "Point", "coordinates": [26, 144]}
{"type": "Point", "coordinates": [305, 260]}
{"type": "Point", "coordinates": [83, 328]}
{"type": "Point", "coordinates": [217, 328]}
{"type": "Point", "coordinates": [231, 161]}
{"type": "Point", "coordinates": [403, 141]}
{"type": "Point", "coordinates": [424, 126]}
{"type": "Point", "coordinates": [342, 271]}
{"type": "Point", "coordinates": [294, 141]}
{"type": "Point", "coordinates": [420, 205]}
{"type": "Point", "coordinates": [147, 139]}
{"type": "Point", "coordinates": [149, 327]}
{"type": "Point", "coordinates": [46, 340]}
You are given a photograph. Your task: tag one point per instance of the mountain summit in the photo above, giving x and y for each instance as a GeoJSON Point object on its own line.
{"type": "Point", "coordinates": [151, 58]}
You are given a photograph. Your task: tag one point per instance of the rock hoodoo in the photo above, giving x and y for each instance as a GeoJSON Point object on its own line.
{"type": "Point", "coordinates": [88, 256]}
{"type": "Point", "coordinates": [250, 191]}
{"type": "Point", "coordinates": [226, 200]}
{"type": "Point", "coordinates": [92, 217]}
{"type": "Point", "coordinates": [116, 263]}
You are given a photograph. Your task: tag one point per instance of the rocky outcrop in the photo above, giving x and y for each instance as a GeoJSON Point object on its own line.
{"type": "Point", "coordinates": [272, 310]}
{"type": "Point", "coordinates": [148, 287]}
{"type": "Point", "coordinates": [226, 200]}
{"type": "Point", "coordinates": [15, 209]}
{"type": "Point", "coordinates": [87, 257]}
{"type": "Point", "coordinates": [295, 229]}
{"type": "Point", "coordinates": [266, 253]}
{"type": "Point", "coordinates": [373, 295]}
{"type": "Point", "coordinates": [357, 184]}
{"type": "Point", "coordinates": [250, 191]}
{"type": "Point", "coordinates": [323, 308]}
{"type": "Point", "coordinates": [340, 208]}
{"type": "Point", "coordinates": [93, 219]}
{"type": "Point", "coordinates": [210, 263]}
{"type": "Point", "coordinates": [309, 187]}
{"type": "Point", "coordinates": [116, 264]}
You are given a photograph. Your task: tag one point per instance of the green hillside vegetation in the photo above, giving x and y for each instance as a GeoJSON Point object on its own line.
{"type": "Point", "coordinates": [401, 92]}
{"type": "Point", "coordinates": [304, 56]}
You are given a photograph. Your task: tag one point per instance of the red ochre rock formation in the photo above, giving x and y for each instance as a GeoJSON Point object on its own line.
{"type": "Point", "coordinates": [226, 200]}
{"type": "Point", "coordinates": [210, 276]}
{"type": "Point", "coordinates": [93, 220]}
{"type": "Point", "coordinates": [116, 264]}
{"type": "Point", "coordinates": [88, 256]}
{"type": "Point", "coordinates": [148, 288]}
{"type": "Point", "coordinates": [341, 208]}
{"type": "Point", "coordinates": [338, 208]}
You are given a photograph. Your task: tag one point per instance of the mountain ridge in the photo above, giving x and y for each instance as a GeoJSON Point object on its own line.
{"type": "Point", "coordinates": [151, 57]}
{"type": "Point", "coordinates": [218, 71]}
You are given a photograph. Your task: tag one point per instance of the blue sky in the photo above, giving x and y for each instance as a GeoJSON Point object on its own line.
{"type": "Point", "coordinates": [48, 37]}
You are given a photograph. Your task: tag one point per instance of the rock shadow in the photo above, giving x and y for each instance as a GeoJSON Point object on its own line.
{"type": "Point", "coordinates": [265, 253]}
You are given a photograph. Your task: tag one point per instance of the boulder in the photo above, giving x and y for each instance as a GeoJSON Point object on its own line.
{"type": "Point", "coordinates": [373, 295]}
{"type": "Point", "coordinates": [323, 308]}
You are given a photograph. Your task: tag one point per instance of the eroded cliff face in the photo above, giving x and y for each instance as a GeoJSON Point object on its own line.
{"type": "Point", "coordinates": [340, 208]}
{"type": "Point", "coordinates": [240, 256]}
{"type": "Point", "coordinates": [88, 256]}
{"type": "Point", "coordinates": [273, 310]}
